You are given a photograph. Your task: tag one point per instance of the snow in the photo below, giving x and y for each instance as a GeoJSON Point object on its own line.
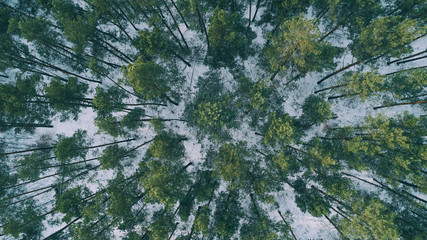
{"type": "Point", "coordinates": [349, 112]}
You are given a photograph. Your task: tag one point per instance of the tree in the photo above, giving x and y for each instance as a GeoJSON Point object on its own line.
{"type": "Point", "coordinates": [315, 110]}
{"type": "Point", "coordinates": [310, 200]}
{"type": "Point", "coordinates": [18, 106]}
{"type": "Point", "coordinates": [371, 220]}
{"type": "Point", "coordinates": [67, 98]}
{"type": "Point", "coordinates": [112, 156]}
{"type": "Point", "coordinates": [71, 202]}
{"type": "Point", "coordinates": [109, 100]}
{"type": "Point", "coordinates": [68, 148]}
{"type": "Point", "coordinates": [24, 221]}
{"type": "Point", "coordinates": [156, 43]}
{"type": "Point", "coordinates": [228, 37]}
{"type": "Point", "coordinates": [230, 163]}
{"type": "Point", "coordinates": [163, 179]}
{"type": "Point", "coordinates": [148, 79]}
{"type": "Point", "coordinates": [384, 37]}
{"type": "Point", "coordinates": [297, 46]}
{"type": "Point", "coordinates": [226, 215]}
{"type": "Point", "coordinates": [167, 146]}
{"type": "Point", "coordinates": [278, 130]}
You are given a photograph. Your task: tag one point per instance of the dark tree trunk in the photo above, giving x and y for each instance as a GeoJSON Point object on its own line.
{"type": "Point", "coordinates": [400, 104]}
{"type": "Point", "coordinates": [333, 87]}
{"type": "Point", "coordinates": [338, 71]}
{"type": "Point", "coordinates": [410, 60]}
{"type": "Point", "coordinates": [410, 56]}
{"type": "Point", "coordinates": [287, 225]}
{"type": "Point", "coordinates": [256, 9]}
{"type": "Point", "coordinates": [180, 14]}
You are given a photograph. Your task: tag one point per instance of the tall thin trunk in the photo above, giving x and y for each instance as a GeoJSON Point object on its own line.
{"type": "Point", "coordinates": [27, 198]}
{"type": "Point", "coordinates": [41, 178]}
{"type": "Point", "coordinates": [335, 226]}
{"type": "Point", "coordinates": [27, 150]}
{"type": "Point", "coordinates": [338, 71]}
{"type": "Point", "coordinates": [29, 125]}
{"type": "Point", "coordinates": [202, 23]}
{"type": "Point", "coordinates": [180, 14]}
{"type": "Point", "coordinates": [422, 95]}
{"type": "Point", "coordinates": [250, 13]}
{"type": "Point", "coordinates": [176, 23]}
{"type": "Point", "coordinates": [158, 11]}
{"type": "Point", "coordinates": [63, 228]}
{"type": "Point", "coordinates": [180, 58]}
{"type": "Point", "coordinates": [341, 96]}
{"type": "Point", "coordinates": [400, 104]}
{"type": "Point", "coordinates": [410, 56]}
{"type": "Point", "coordinates": [256, 9]}
{"type": "Point", "coordinates": [50, 186]}
{"type": "Point", "coordinates": [410, 60]}
{"type": "Point", "coordinates": [404, 70]}
{"type": "Point", "coordinates": [287, 225]}
{"type": "Point", "coordinates": [333, 87]}
{"type": "Point", "coordinates": [336, 27]}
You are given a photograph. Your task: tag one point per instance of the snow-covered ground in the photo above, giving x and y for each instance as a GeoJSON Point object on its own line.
{"type": "Point", "coordinates": [304, 225]}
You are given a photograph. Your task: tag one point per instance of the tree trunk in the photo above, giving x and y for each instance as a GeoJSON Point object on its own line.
{"type": "Point", "coordinates": [180, 14]}
{"type": "Point", "coordinates": [176, 23]}
{"type": "Point", "coordinates": [338, 71]}
{"type": "Point", "coordinates": [38, 179]}
{"type": "Point", "coordinates": [399, 104]}
{"type": "Point", "coordinates": [180, 58]}
{"type": "Point", "coordinates": [344, 95]}
{"type": "Point", "coordinates": [404, 70]}
{"type": "Point", "coordinates": [286, 223]}
{"type": "Point", "coordinates": [250, 13]}
{"type": "Point", "coordinates": [158, 11]}
{"type": "Point", "coordinates": [333, 87]}
{"type": "Point", "coordinates": [22, 200]}
{"type": "Point", "coordinates": [410, 60]}
{"type": "Point", "coordinates": [256, 9]}
{"type": "Point", "coordinates": [51, 186]}
{"type": "Point", "coordinates": [63, 228]}
{"type": "Point", "coordinates": [202, 23]}
{"type": "Point", "coordinates": [28, 150]}
{"type": "Point", "coordinates": [336, 227]}
{"type": "Point", "coordinates": [422, 95]}
{"type": "Point", "coordinates": [410, 56]}
{"type": "Point", "coordinates": [30, 125]}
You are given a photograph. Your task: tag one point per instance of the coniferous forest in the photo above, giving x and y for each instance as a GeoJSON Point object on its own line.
{"type": "Point", "coordinates": [213, 119]}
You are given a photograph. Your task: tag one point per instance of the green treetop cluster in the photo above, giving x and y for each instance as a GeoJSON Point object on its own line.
{"type": "Point", "coordinates": [207, 124]}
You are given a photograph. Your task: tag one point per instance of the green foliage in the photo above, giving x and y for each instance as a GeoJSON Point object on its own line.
{"type": "Point", "coordinates": [230, 162]}
{"type": "Point", "coordinates": [364, 84]}
{"type": "Point", "coordinates": [372, 220]}
{"type": "Point", "coordinates": [168, 146]}
{"type": "Point", "coordinates": [164, 181]}
{"type": "Point", "coordinates": [70, 202]}
{"type": "Point", "coordinates": [68, 148]}
{"type": "Point", "coordinates": [112, 156]}
{"type": "Point", "coordinates": [226, 215]}
{"type": "Point", "coordinates": [228, 37]}
{"type": "Point", "coordinates": [308, 199]}
{"type": "Point", "coordinates": [16, 220]}
{"type": "Point", "coordinates": [315, 110]}
{"type": "Point", "coordinates": [19, 107]}
{"type": "Point", "coordinates": [408, 83]}
{"type": "Point", "coordinates": [68, 97]}
{"type": "Point", "coordinates": [108, 101]}
{"type": "Point", "coordinates": [386, 36]}
{"type": "Point", "coordinates": [295, 45]}
{"type": "Point", "coordinates": [278, 130]}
